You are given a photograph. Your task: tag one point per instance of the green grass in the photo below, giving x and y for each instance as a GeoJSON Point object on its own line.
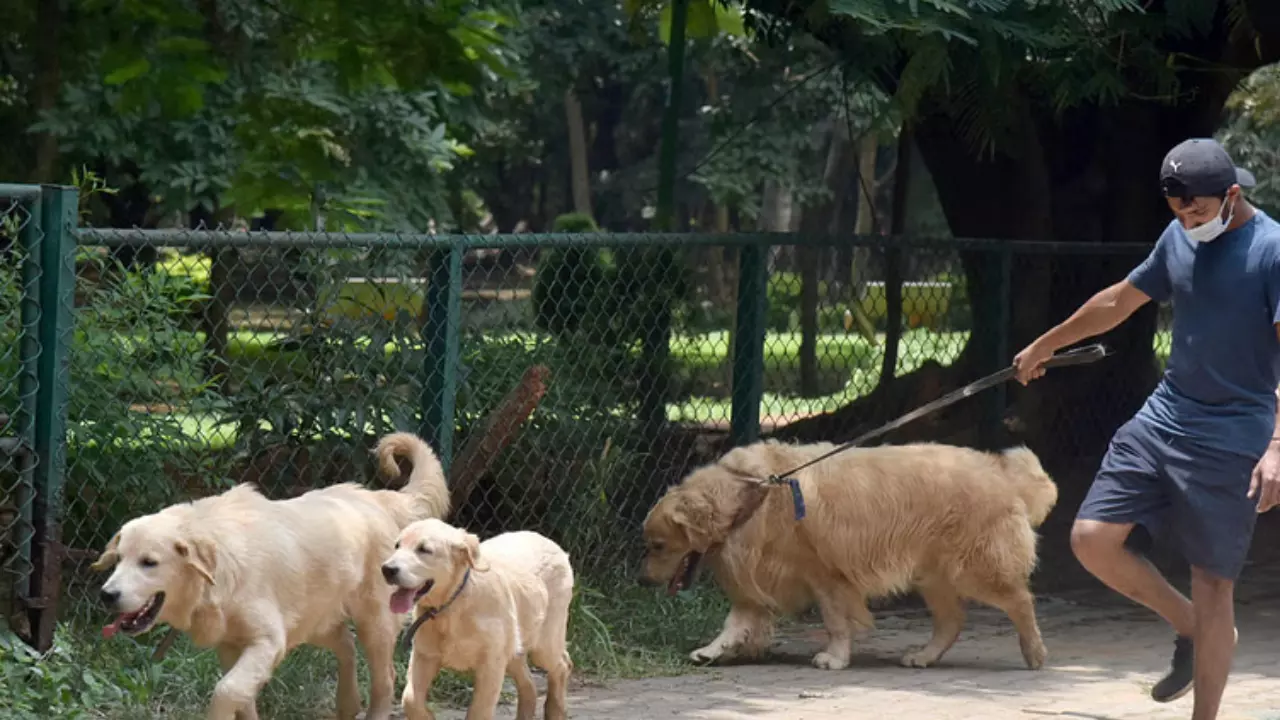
{"type": "Point", "coordinates": [617, 630]}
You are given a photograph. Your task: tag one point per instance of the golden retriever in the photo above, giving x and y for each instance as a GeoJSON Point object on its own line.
{"type": "Point", "coordinates": [482, 607]}
{"type": "Point", "coordinates": [254, 578]}
{"type": "Point", "coordinates": [951, 522]}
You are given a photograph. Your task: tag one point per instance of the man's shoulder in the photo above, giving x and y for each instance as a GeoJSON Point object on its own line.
{"type": "Point", "coordinates": [1268, 229]}
{"type": "Point", "coordinates": [1265, 245]}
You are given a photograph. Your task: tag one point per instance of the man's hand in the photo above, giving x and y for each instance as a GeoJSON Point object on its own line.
{"type": "Point", "coordinates": [1265, 484]}
{"type": "Point", "coordinates": [1029, 362]}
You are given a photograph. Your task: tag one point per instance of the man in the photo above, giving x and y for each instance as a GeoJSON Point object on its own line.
{"type": "Point", "coordinates": [1201, 458]}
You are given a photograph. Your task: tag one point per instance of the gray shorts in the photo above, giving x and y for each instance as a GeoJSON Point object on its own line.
{"type": "Point", "coordinates": [1182, 492]}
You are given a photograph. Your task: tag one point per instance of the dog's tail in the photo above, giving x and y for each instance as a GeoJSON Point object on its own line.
{"type": "Point", "coordinates": [1037, 490]}
{"type": "Point", "coordinates": [426, 476]}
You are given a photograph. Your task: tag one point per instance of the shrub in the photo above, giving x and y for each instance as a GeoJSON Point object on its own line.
{"type": "Point", "coordinates": [569, 280]}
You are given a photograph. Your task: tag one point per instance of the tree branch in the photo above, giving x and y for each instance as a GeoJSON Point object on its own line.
{"type": "Point", "coordinates": [497, 432]}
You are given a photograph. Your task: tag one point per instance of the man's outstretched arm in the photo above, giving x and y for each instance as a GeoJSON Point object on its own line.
{"type": "Point", "coordinates": [1105, 310]}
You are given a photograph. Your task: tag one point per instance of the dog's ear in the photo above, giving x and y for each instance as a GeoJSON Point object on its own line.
{"type": "Point", "coordinates": [200, 555]}
{"type": "Point", "coordinates": [470, 551]}
{"type": "Point", "coordinates": [696, 518]}
{"type": "Point", "coordinates": [110, 555]}
{"type": "Point", "coordinates": [707, 521]}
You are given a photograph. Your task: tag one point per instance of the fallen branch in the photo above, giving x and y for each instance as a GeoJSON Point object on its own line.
{"type": "Point", "coordinates": [496, 433]}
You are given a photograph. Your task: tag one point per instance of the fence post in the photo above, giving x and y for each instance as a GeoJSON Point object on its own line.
{"type": "Point", "coordinates": [59, 207]}
{"type": "Point", "coordinates": [748, 344]}
{"type": "Point", "coordinates": [441, 335]}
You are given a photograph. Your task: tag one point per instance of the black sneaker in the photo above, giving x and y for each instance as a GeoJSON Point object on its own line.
{"type": "Point", "coordinates": [1181, 673]}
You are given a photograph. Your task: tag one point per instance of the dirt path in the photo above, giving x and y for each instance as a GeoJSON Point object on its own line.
{"type": "Point", "coordinates": [1103, 658]}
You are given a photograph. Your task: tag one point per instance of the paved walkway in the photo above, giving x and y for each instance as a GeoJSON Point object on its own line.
{"type": "Point", "coordinates": [1103, 657]}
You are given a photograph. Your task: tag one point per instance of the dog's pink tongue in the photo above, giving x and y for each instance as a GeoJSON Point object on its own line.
{"type": "Point", "coordinates": [110, 630]}
{"type": "Point", "coordinates": [402, 601]}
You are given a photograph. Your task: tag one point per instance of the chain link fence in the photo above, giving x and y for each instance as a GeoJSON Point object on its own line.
{"type": "Point", "coordinates": [570, 378]}
{"type": "Point", "coordinates": [19, 229]}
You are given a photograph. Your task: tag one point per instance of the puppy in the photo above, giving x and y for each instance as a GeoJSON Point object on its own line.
{"type": "Point", "coordinates": [952, 523]}
{"type": "Point", "coordinates": [254, 578]}
{"type": "Point", "coordinates": [482, 607]}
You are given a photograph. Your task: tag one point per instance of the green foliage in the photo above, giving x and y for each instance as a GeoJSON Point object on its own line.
{"type": "Point", "coordinates": [1251, 133]}
{"type": "Point", "coordinates": [590, 294]}
{"type": "Point", "coordinates": [133, 347]}
{"type": "Point", "coordinates": [51, 685]}
{"type": "Point", "coordinates": [10, 326]}
{"type": "Point", "coordinates": [704, 19]}
{"type": "Point", "coordinates": [300, 107]}
{"type": "Point", "coordinates": [568, 280]}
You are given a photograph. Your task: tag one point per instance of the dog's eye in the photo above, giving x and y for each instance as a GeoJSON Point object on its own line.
{"type": "Point", "coordinates": [397, 545]}
{"type": "Point", "coordinates": [149, 562]}
{"type": "Point", "coordinates": [424, 549]}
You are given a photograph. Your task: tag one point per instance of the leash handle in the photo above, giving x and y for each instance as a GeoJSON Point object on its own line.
{"type": "Point", "coordinates": [1078, 356]}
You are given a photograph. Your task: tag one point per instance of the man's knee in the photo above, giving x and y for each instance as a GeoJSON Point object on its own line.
{"type": "Point", "coordinates": [1209, 584]}
{"type": "Point", "coordinates": [1094, 541]}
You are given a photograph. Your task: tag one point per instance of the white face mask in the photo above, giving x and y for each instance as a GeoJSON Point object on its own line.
{"type": "Point", "coordinates": [1212, 229]}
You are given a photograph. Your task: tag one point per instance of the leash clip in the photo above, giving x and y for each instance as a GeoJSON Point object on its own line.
{"type": "Point", "coordinates": [797, 497]}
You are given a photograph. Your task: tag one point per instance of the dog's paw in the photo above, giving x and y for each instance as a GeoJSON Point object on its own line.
{"type": "Point", "coordinates": [918, 659]}
{"type": "Point", "coordinates": [1035, 655]}
{"type": "Point", "coordinates": [826, 661]}
{"type": "Point", "coordinates": [416, 713]}
{"type": "Point", "coordinates": [706, 655]}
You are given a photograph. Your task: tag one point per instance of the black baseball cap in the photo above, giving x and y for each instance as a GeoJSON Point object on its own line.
{"type": "Point", "coordinates": [1200, 167]}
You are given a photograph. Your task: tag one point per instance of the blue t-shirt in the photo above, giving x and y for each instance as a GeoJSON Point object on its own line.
{"type": "Point", "coordinates": [1219, 386]}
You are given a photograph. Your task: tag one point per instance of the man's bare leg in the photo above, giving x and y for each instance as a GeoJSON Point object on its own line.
{"type": "Point", "coordinates": [1100, 548]}
{"type": "Point", "coordinates": [1214, 640]}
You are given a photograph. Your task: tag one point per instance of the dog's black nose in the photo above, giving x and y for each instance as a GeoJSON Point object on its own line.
{"type": "Point", "coordinates": [389, 572]}
{"type": "Point", "coordinates": [109, 597]}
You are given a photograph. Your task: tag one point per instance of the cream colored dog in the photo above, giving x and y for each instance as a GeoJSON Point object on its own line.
{"type": "Point", "coordinates": [254, 578]}
{"type": "Point", "coordinates": [482, 607]}
{"type": "Point", "coordinates": [951, 522]}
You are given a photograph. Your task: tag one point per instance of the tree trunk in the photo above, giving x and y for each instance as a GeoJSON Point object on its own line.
{"type": "Point", "coordinates": [578, 170]}
{"type": "Point", "coordinates": [721, 292]}
{"type": "Point", "coordinates": [215, 321]}
{"type": "Point", "coordinates": [866, 223]}
{"type": "Point", "coordinates": [893, 270]}
{"type": "Point", "coordinates": [721, 276]}
{"type": "Point", "coordinates": [822, 219]}
{"type": "Point", "coordinates": [48, 82]}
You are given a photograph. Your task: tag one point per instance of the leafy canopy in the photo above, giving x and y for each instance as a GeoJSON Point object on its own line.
{"type": "Point", "coordinates": [281, 104]}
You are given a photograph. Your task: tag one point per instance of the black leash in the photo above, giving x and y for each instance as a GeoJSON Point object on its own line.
{"type": "Point", "coordinates": [429, 613]}
{"type": "Point", "coordinates": [1078, 356]}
